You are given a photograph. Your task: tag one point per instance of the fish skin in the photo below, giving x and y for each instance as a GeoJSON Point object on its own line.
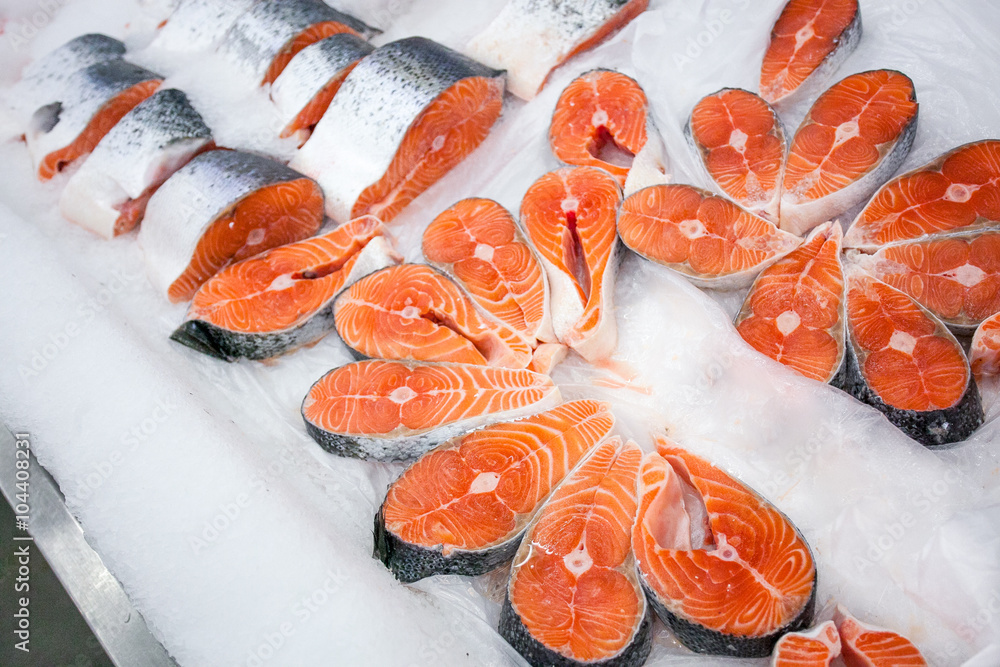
{"type": "Point", "coordinates": [158, 137]}
{"type": "Point", "coordinates": [530, 38]}
{"type": "Point", "coordinates": [57, 125]}
{"type": "Point", "coordinates": [370, 115]}
{"type": "Point", "coordinates": [199, 25]}
{"type": "Point", "coordinates": [198, 194]}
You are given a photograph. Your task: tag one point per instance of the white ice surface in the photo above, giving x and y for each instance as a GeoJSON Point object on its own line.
{"type": "Point", "coordinates": [153, 443]}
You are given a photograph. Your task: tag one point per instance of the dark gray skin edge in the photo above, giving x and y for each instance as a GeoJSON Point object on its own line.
{"type": "Point", "coordinates": [228, 345]}
{"type": "Point", "coordinates": [704, 640]}
{"type": "Point", "coordinates": [409, 562]}
{"type": "Point", "coordinates": [537, 654]}
{"type": "Point", "coordinates": [934, 428]}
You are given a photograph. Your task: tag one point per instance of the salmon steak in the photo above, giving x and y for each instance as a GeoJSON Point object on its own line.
{"type": "Point", "coordinates": [197, 26]}
{"type": "Point", "coordinates": [955, 276]}
{"type": "Point", "coordinates": [809, 41]}
{"type": "Point", "coordinates": [530, 38]}
{"type": "Point", "coordinates": [398, 410]}
{"type": "Point", "coordinates": [412, 311]}
{"type": "Point", "coordinates": [741, 143]}
{"type": "Point", "coordinates": [574, 597]}
{"type": "Point", "coordinates": [479, 245]}
{"type": "Point", "coordinates": [403, 118]}
{"type": "Point", "coordinates": [852, 140]}
{"type": "Point", "coordinates": [463, 507]}
{"type": "Point", "coordinates": [109, 193]}
{"type": "Point", "coordinates": [794, 311]}
{"type": "Point", "coordinates": [904, 362]}
{"type": "Point", "coordinates": [569, 215]}
{"type": "Point", "coordinates": [222, 207]}
{"type": "Point", "coordinates": [282, 299]}
{"type": "Point", "coordinates": [985, 351]}
{"type": "Point", "coordinates": [90, 103]}
{"type": "Point", "coordinates": [306, 87]}
{"type": "Point", "coordinates": [724, 569]}
{"type": "Point", "coordinates": [865, 645]}
{"type": "Point", "coordinates": [710, 240]}
{"type": "Point", "coordinates": [958, 190]}
{"type": "Point", "coordinates": [810, 648]}
{"type": "Point", "coordinates": [265, 38]}
{"type": "Point", "coordinates": [602, 119]}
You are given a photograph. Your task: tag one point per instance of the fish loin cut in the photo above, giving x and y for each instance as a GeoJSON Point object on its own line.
{"type": "Point", "coordinates": [794, 311]}
{"type": "Point", "coordinates": [463, 507]}
{"type": "Point", "coordinates": [530, 38]}
{"type": "Point", "coordinates": [304, 90]}
{"type": "Point", "coordinates": [724, 569]}
{"type": "Point", "coordinates": [809, 41]}
{"type": "Point", "coordinates": [413, 311]}
{"type": "Point", "coordinates": [198, 25]}
{"type": "Point", "coordinates": [404, 116]}
{"type": "Point", "coordinates": [710, 240]}
{"type": "Point", "coordinates": [90, 103]}
{"type": "Point", "coordinates": [866, 645]}
{"type": "Point", "coordinates": [569, 215]}
{"type": "Point", "coordinates": [282, 299]}
{"type": "Point", "coordinates": [854, 137]}
{"type": "Point", "coordinates": [904, 362]}
{"type": "Point", "coordinates": [574, 597]}
{"type": "Point", "coordinates": [221, 207]}
{"type": "Point", "coordinates": [741, 143]}
{"type": "Point", "coordinates": [108, 194]}
{"type": "Point", "coordinates": [397, 410]}
{"type": "Point", "coordinates": [480, 246]}
{"type": "Point", "coordinates": [959, 190]}
{"type": "Point", "coordinates": [986, 348]}
{"type": "Point", "coordinates": [265, 38]}
{"type": "Point", "coordinates": [810, 648]}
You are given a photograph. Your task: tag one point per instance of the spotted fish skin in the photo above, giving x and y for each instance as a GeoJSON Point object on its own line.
{"type": "Point", "coordinates": [199, 25]}
{"type": "Point", "coordinates": [265, 33]}
{"type": "Point", "coordinates": [380, 101]}
{"type": "Point", "coordinates": [530, 38]}
{"type": "Point", "coordinates": [150, 143]}
{"type": "Point", "coordinates": [56, 127]}
{"type": "Point", "coordinates": [206, 190]}
{"type": "Point", "coordinates": [316, 70]}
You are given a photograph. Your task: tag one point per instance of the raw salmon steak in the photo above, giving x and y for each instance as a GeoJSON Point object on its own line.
{"type": "Point", "coordinates": [221, 207]}
{"type": "Point", "coordinates": [530, 38]}
{"type": "Point", "coordinates": [853, 138]}
{"type": "Point", "coordinates": [810, 648]}
{"type": "Point", "coordinates": [724, 569]}
{"type": "Point", "coordinates": [985, 351]}
{"type": "Point", "coordinates": [282, 299]}
{"type": "Point", "coordinates": [198, 25]}
{"type": "Point", "coordinates": [794, 312]}
{"type": "Point", "coordinates": [463, 507]}
{"type": "Point", "coordinates": [306, 87]}
{"type": "Point", "coordinates": [395, 410]}
{"type": "Point", "coordinates": [569, 215]}
{"type": "Point", "coordinates": [809, 41]}
{"type": "Point", "coordinates": [865, 645]}
{"type": "Point", "coordinates": [265, 38]}
{"type": "Point", "coordinates": [741, 143]}
{"type": "Point", "coordinates": [480, 246]}
{"type": "Point", "coordinates": [414, 312]}
{"type": "Point", "coordinates": [602, 119]}
{"type": "Point", "coordinates": [108, 194]}
{"type": "Point", "coordinates": [904, 362]}
{"type": "Point", "coordinates": [573, 596]}
{"type": "Point", "coordinates": [91, 102]}
{"type": "Point", "coordinates": [710, 240]}
{"type": "Point", "coordinates": [401, 120]}
{"type": "Point", "coordinates": [958, 190]}
{"type": "Point", "coordinates": [956, 276]}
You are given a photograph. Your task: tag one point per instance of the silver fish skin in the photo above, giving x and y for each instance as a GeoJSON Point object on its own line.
{"type": "Point", "coordinates": [198, 25]}
{"type": "Point", "coordinates": [312, 69]}
{"type": "Point", "coordinates": [155, 139]}
{"type": "Point", "coordinates": [260, 34]}
{"type": "Point", "coordinates": [355, 142]}
{"type": "Point", "coordinates": [58, 124]}
{"type": "Point", "coordinates": [530, 38]}
{"type": "Point", "coordinates": [192, 199]}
